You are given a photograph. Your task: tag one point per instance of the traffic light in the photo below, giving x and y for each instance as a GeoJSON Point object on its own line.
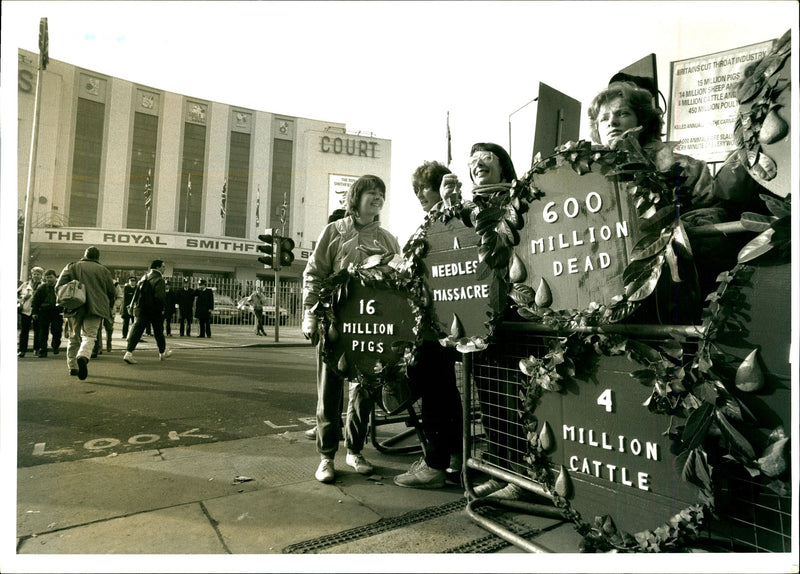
{"type": "Point", "coordinates": [286, 254]}
{"type": "Point", "coordinates": [269, 258]}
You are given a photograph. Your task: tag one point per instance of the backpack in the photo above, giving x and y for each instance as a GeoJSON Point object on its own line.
{"type": "Point", "coordinates": [144, 296]}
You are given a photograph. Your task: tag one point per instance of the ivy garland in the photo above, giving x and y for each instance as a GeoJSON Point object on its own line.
{"type": "Point", "coordinates": [692, 388]}
{"type": "Point", "coordinates": [376, 271]}
{"type": "Point", "coordinates": [697, 389]}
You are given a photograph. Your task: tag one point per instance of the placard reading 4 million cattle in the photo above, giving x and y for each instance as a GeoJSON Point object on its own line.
{"type": "Point", "coordinates": [577, 237]}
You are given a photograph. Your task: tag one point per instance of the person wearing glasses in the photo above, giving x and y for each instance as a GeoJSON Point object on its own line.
{"type": "Point", "coordinates": [341, 243]}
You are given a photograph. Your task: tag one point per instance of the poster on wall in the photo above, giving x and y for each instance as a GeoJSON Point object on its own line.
{"type": "Point", "coordinates": [703, 104]}
{"type": "Point", "coordinates": [337, 188]}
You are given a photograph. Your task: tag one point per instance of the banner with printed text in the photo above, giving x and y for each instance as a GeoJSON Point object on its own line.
{"type": "Point", "coordinates": [703, 105]}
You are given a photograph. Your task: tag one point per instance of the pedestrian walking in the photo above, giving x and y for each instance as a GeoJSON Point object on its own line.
{"type": "Point", "coordinates": [257, 301]}
{"type": "Point", "coordinates": [24, 302]}
{"type": "Point", "coordinates": [108, 324]}
{"type": "Point", "coordinates": [203, 307]}
{"type": "Point", "coordinates": [147, 306]}
{"type": "Point", "coordinates": [47, 314]}
{"type": "Point", "coordinates": [127, 295]}
{"type": "Point", "coordinates": [85, 320]}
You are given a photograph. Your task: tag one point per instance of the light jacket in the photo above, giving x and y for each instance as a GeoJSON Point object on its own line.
{"type": "Point", "coordinates": [337, 248]}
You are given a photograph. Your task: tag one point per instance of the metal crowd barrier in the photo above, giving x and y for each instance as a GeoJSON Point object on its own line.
{"type": "Point", "coordinates": [749, 518]}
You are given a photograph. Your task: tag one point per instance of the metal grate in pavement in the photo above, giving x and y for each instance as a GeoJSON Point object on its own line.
{"type": "Point", "coordinates": [383, 525]}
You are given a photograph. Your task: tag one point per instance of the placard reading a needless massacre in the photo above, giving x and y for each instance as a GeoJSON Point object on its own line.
{"type": "Point", "coordinates": [577, 238]}
{"type": "Point", "coordinates": [703, 104]}
{"type": "Point", "coordinates": [457, 291]}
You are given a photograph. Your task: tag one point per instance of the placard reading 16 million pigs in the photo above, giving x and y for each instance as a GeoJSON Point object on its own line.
{"type": "Point", "coordinates": [577, 237]}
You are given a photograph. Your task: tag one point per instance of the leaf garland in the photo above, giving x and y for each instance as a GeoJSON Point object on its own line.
{"type": "Point", "coordinates": [692, 387]}
{"type": "Point", "coordinates": [334, 291]}
{"type": "Point", "coordinates": [496, 219]}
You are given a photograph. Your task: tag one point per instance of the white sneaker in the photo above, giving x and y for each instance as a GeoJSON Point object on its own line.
{"type": "Point", "coordinates": [325, 471]}
{"type": "Point", "coordinates": [128, 358]}
{"type": "Point", "coordinates": [165, 354]}
{"type": "Point", "coordinates": [359, 463]}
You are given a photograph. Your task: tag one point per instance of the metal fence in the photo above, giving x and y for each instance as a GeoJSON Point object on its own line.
{"type": "Point", "coordinates": [748, 517]}
{"type": "Point", "coordinates": [230, 293]}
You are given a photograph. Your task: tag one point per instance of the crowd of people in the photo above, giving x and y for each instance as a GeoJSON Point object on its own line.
{"type": "Point", "coordinates": [353, 233]}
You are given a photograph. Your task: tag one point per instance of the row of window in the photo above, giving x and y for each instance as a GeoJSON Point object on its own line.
{"type": "Point", "coordinates": [233, 209]}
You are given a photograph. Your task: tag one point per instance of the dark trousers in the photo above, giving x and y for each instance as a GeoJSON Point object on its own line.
{"type": "Point", "coordinates": [259, 314]}
{"type": "Point", "coordinates": [187, 321]}
{"type": "Point", "coordinates": [26, 325]}
{"type": "Point", "coordinates": [126, 322]}
{"type": "Point", "coordinates": [433, 377]}
{"type": "Point", "coordinates": [49, 323]}
{"type": "Point", "coordinates": [167, 321]}
{"type": "Point", "coordinates": [108, 325]}
{"type": "Point", "coordinates": [140, 324]}
{"type": "Point", "coordinates": [205, 326]}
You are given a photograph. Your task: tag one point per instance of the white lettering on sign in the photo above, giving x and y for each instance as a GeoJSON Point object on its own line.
{"type": "Point", "coordinates": [461, 293]}
{"type": "Point", "coordinates": [570, 208]}
{"type": "Point", "coordinates": [604, 441]}
{"type": "Point", "coordinates": [454, 269]}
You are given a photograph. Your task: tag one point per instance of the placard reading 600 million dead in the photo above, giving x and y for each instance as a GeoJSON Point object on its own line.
{"type": "Point", "coordinates": [577, 238]}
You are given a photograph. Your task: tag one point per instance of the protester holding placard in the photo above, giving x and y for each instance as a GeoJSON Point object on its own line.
{"type": "Point", "coordinates": [344, 242]}
{"type": "Point", "coordinates": [433, 375]}
{"type": "Point", "coordinates": [623, 109]}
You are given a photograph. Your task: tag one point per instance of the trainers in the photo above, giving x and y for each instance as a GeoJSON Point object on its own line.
{"type": "Point", "coordinates": [165, 354]}
{"type": "Point", "coordinates": [325, 470]}
{"type": "Point", "coordinates": [83, 368]}
{"type": "Point", "coordinates": [359, 463]}
{"type": "Point", "coordinates": [128, 358]}
{"type": "Point", "coordinates": [488, 487]}
{"type": "Point", "coordinates": [73, 372]}
{"type": "Point", "coordinates": [311, 434]}
{"type": "Point", "coordinates": [456, 462]}
{"type": "Point", "coordinates": [420, 475]}
{"type": "Point", "coordinates": [509, 492]}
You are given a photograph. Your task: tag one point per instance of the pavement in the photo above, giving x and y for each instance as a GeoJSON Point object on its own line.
{"type": "Point", "coordinates": [249, 496]}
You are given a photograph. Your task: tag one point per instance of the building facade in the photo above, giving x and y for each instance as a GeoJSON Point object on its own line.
{"type": "Point", "coordinates": [147, 174]}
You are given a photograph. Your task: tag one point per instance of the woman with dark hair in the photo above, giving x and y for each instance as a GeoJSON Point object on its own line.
{"type": "Point", "coordinates": [343, 242]}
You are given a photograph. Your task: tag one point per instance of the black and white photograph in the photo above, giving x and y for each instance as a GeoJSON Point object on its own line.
{"type": "Point", "coordinates": [399, 286]}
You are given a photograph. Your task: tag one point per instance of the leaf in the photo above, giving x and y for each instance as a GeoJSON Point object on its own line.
{"type": "Point", "coordinates": [734, 436]}
{"type": "Point", "coordinates": [697, 426]}
{"type": "Point", "coordinates": [522, 294]}
{"type": "Point", "coordinates": [778, 207]}
{"type": "Point", "coordinates": [774, 461]}
{"type": "Point", "coordinates": [650, 245]}
{"type": "Point", "coordinates": [543, 298]}
{"type": "Point", "coordinates": [749, 375]}
{"type": "Point", "coordinates": [756, 247]}
{"type": "Point", "coordinates": [672, 263]}
{"type": "Point", "coordinates": [755, 221]}
{"type": "Point", "coordinates": [643, 280]}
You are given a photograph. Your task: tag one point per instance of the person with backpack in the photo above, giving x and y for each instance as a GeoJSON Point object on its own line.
{"type": "Point", "coordinates": [147, 308]}
{"type": "Point", "coordinates": [84, 320]}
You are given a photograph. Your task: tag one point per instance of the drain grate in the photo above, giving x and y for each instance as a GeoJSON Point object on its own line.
{"type": "Point", "coordinates": [492, 543]}
{"type": "Point", "coordinates": [382, 525]}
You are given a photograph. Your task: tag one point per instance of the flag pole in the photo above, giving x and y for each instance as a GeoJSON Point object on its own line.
{"type": "Point", "coordinates": [24, 263]}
